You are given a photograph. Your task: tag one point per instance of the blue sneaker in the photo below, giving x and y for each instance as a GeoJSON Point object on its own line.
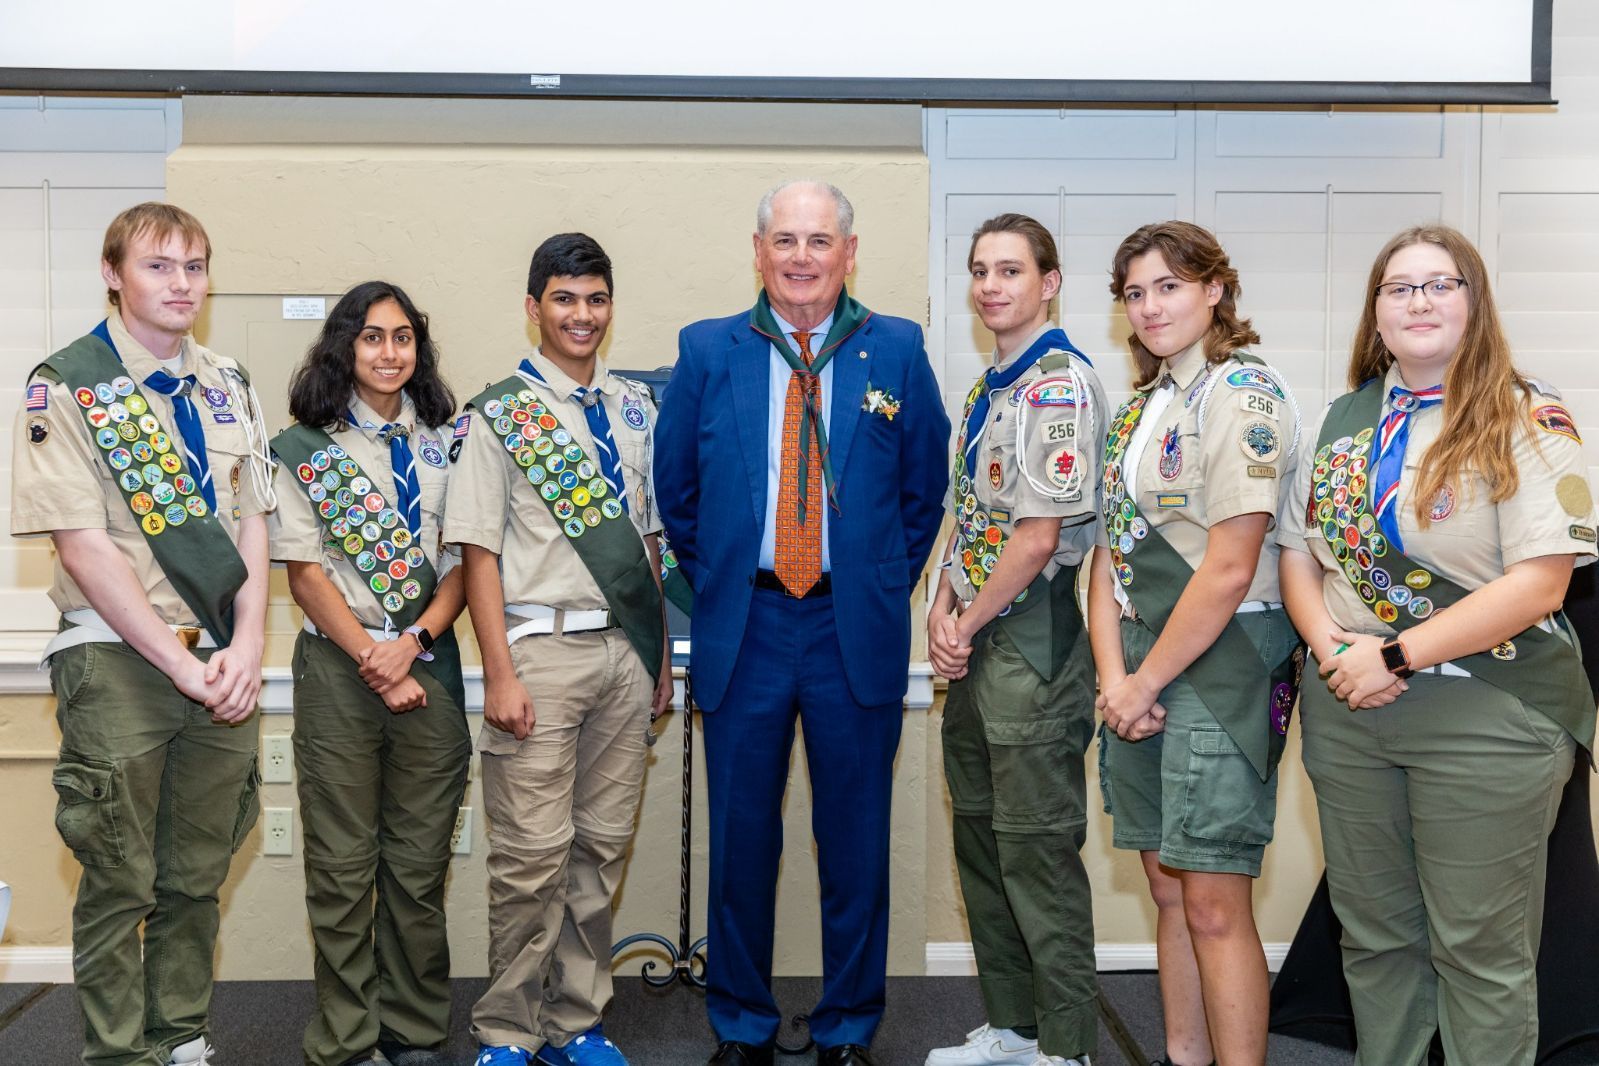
{"type": "Point", "coordinates": [550, 1055]}
{"type": "Point", "coordinates": [507, 1055]}
{"type": "Point", "coordinates": [593, 1048]}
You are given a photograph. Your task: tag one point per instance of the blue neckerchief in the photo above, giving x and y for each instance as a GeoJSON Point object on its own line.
{"type": "Point", "coordinates": [407, 490]}
{"type": "Point", "coordinates": [1393, 437]}
{"type": "Point", "coordinates": [995, 379]}
{"type": "Point", "coordinates": [599, 428]}
{"type": "Point", "coordinates": [185, 416]}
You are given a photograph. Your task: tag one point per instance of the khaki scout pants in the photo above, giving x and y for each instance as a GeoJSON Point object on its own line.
{"type": "Point", "coordinates": [561, 805]}
{"type": "Point", "coordinates": [1013, 756]}
{"type": "Point", "coordinates": [154, 798]}
{"type": "Point", "coordinates": [1435, 818]}
{"type": "Point", "coordinates": [378, 799]}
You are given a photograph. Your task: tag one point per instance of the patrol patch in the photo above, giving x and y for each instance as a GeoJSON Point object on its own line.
{"type": "Point", "coordinates": [1260, 441]}
{"type": "Point", "coordinates": [1171, 455]}
{"type": "Point", "coordinates": [1061, 467]}
{"type": "Point", "coordinates": [455, 449]}
{"type": "Point", "coordinates": [1553, 418]}
{"type": "Point", "coordinates": [38, 398]}
{"type": "Point", "coordinates": [1576, 499]}
{"type": "Point", "coordinates": [38, 430]}
{"type": "Point", "coordinates": [1052, 392]}
{"type": "Point", "coordinates": [1249, 377]}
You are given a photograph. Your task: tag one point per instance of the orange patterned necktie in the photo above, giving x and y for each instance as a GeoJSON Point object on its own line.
{"type": "Point", "coordinates": [798, 556]}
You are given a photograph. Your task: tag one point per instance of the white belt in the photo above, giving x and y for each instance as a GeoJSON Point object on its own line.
{"type": "Point", "coordinates": [375, 634]}
{"type": "Point", "coordinates": [553, 621]}
{"type": "Point", "coordinates": [89, 628]}
{"type": "Point", "coordinates": [1247, 607]}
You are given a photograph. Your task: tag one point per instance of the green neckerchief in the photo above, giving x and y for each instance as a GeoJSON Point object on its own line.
{"type": "Point", "coordinates": [549, 462]}
{"type": "Point", "coordinates": [848, 316]}
{"type": "Point", "coordinates": [188, 542]}
{"type": "Point", "coordinates": [376, 540]}
{"type": "Point", "coordinates": [1536, 666]}
{"type": "Point", "coordinates": [1252, 705]}
{"type": "Point", "coordinates": [1044, 638]}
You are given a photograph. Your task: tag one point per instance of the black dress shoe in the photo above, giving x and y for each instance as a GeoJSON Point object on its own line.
{"type": "Point", "coordinates": [735, 1053]}
{"type": "Point", "coordinates": [843, 1055]}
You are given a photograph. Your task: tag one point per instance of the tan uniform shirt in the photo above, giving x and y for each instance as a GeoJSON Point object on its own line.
{"type": "Point", "coordinates": [1471, 539]}
{"type": "Point", "coordinates": [60, 480]}
{"type": "Point", "coordinates": [490, 503]}
{"type": "Point", "coordinates": [300, 536]}
{"type": "Point", "coordinates": [1039, 456]}
{"type": "Point", "coordinates": [1220, 449]}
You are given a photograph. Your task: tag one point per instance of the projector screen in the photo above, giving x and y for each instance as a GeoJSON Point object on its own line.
{"type": "Point", "coordinates": [1168, 51]}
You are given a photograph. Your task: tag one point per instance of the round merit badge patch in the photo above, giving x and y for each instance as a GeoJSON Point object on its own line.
{"type": "Point", "coordinates": [1260, 442]}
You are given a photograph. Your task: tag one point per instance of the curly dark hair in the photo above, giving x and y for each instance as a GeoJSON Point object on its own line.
{"type": "Point", "coordinates": [319, 391]}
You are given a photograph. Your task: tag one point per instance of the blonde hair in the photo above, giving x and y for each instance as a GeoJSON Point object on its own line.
{"type": "Point", "coordinates": [154, 219]}
{"type": "Point", "coordinates": [1482, 411]}
{"type": "Point", "coordinates": [1193, 254]}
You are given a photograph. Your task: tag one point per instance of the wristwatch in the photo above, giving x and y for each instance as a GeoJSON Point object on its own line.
{"type": "Point", "coordinates": [424, 640]}
{"type": "Point", "coordinates": [1396, 659]}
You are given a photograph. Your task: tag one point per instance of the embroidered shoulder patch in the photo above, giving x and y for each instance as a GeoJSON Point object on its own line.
{"type": "Point", "coordinates": [1252, 377]}
{"type": "Point", "coordinates": [1553, 418]}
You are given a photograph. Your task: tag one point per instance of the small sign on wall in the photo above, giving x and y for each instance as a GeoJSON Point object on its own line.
{"type": "Point", "coordinates": [305, 307]}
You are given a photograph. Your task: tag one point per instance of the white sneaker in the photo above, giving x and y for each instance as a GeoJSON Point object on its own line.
{"type": "Point", "coordinates": [195, 1053]}
{"type": "Point", "coordinates": [987, 1046]}
{"type": "Point", "coordinates": [1056, 1060]}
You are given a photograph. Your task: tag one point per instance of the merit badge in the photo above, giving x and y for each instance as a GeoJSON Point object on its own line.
{"type": "Point", "coordinates": [1420, 607]}
{"type": "Point", "coordinates": [1259, 441]}
{"type": "Point", "coordinates": [1443, 505]}
{"type": "Point", "coordinates": [366, 562]}
{"type": "Point", "coordinates": [432, 452]}
{"type": "Point", "coordinates": [1060, 466]}
{"type": "Point", "coordinates": [39, 431]}
{"type": "Point", "coordinates": [153, 523]}
{"type": "Point", "coordinates": [411, 589]}
{"type": "Point", "coordinates": [1052, 392]}
{"type": "Point", "coordinates": [85, 397]}
{"type": "Point", "coordinates": [380, 583]}
{"type": "Point", "coordinates": [399, 568]}
{"type": "Point", "coordinates": [361, 485]}
{"type": "Point", "coordinates": [415, 557]}
{"type": "Point", "coordinates": [633, 413]}
{"type": "Point", "coordinates": [392, 602]}
{"type": "Point", "coordinates": [105, 393]}
{"type": "Point", "coordinates": [196, 506]}
{"type": "Point", "coordinates": [491, 408]}
{"type": "Point", "coordinates": [1551, 418]}
{"type": "Point", "coordinates": [996, 474]}
{"type": "Point", "coordinates": [1171, 455]}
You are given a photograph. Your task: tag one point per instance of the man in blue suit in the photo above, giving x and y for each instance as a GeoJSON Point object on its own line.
{"type": "Point", "coordinates": [801, 460]}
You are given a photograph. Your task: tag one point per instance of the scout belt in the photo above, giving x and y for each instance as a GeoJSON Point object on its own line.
{"type": "Point", "coordinates": [1535, 666]}
{"type": "Point", "coordinates": [1044, 638]}
{"type": "Point", "coordinates": [188, 542]}
{"type": "Point", "coordinates": [356, 514]}
{"type": "Point", "coordinates": [1252, 705]}
{"type": "Point", "coordinates": [552, 464]}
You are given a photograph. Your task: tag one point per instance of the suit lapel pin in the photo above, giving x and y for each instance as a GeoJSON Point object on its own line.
{"type": "Point", "coordinates": [863, 353]}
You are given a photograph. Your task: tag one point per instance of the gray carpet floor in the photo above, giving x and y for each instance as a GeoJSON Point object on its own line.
{"type": "Point", "coordinates": [258, 1023]}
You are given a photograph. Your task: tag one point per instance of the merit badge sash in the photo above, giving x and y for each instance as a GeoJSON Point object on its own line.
{"type": "Point", "coordinates": [1254, 709]}
{"type": "Point", "coordinates": [188, 542]}
{"type": "Point", "coordinates": [1044, 638]}
{"type": "Point", "coordinates": [356, 514]}
{"type": "Point", "coordinates": [1536, 666]}
{"type": "Point", "coordinates": [568, 480]}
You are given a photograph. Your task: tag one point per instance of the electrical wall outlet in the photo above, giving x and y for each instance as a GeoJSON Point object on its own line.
{"type": "Point", "coordinates": [461, 838]}
{"type": "Point", "coordinates": [277, 831]}
{"type": "Point", "coordinates": [277, 759]}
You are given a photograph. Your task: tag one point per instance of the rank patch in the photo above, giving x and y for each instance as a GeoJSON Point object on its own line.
{"type": "Point", "coordinates": [1443, 505]}
{"type": "Point", "coordinates": [1171, 455]}
{"type": "Point", "coordinates": [996, 474]}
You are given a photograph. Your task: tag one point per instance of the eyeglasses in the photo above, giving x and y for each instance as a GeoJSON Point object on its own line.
{"type": "Point", "coordinates": [1437, 289]}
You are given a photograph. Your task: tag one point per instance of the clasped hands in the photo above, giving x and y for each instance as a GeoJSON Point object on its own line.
{"type": "Point", "coordinates": [1355, 672]}
{"type": "Point", "coordinates": [386, 668]}
{"type": "Point", "coordinates": [1131, 708]}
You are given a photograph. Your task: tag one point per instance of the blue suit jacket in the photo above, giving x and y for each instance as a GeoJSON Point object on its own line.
{"type": "Point", "coordinates": [891, 476]}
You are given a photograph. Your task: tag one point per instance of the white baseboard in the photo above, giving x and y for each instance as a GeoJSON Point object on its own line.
{"type": "Point", "coordinates": [954, 958]}
{"type": "Point", "coordinates": [31, 966]}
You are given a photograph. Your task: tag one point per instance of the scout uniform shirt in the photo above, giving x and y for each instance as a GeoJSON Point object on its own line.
{"type": "Point", "coordinates": [1187, 480]}
{"type": "Point", "coordinates": [60, 481]}
{"type": "Point", "coordinates": [492, 505]}
{"type": "Point", "coordinates": [1471, 539]}
{"type": "Point", "coordinates": [1039, 433]}
{"type": "Point", "coordinates": [300, 536]}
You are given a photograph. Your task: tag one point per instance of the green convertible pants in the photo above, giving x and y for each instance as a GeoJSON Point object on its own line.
{"type": "Point", "coordinates": [1013, 755]}
{"type": "Point", "coordinates": [153, 799]}
{"type": "Point", "coordinates": [378, 798]}
{"type": "Point", "coordinates": [1435, 818]}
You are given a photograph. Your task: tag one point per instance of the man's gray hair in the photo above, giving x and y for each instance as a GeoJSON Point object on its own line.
{"type": "Point", "coordinates": [846, 210]}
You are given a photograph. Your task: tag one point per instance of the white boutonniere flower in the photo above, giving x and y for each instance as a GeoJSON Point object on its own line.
{"type": "Point", "coordinates": [880, 402]}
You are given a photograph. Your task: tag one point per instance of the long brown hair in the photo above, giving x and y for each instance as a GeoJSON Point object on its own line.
{"type": "Point", "coordinates": [1193, 254]}
{"type": "Point", "coordinates": [1482, 410]}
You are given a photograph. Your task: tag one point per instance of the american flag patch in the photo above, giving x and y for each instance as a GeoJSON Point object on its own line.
{"type": "Point", "coordinates": [461, 425]}
{"type": "Point", "coordinates": [38, 397]}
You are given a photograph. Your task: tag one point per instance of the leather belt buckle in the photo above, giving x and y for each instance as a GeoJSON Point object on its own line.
{"type": "Point", "coordinates": [190, 635]}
